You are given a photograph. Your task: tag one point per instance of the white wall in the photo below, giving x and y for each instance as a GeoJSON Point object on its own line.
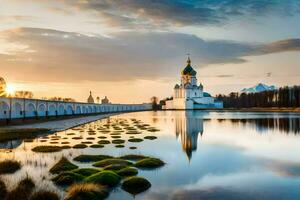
{"type": "Point", "coordinates": [13, 108]}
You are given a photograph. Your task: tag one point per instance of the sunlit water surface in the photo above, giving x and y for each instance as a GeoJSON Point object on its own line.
{"type": "Point", "coordinates": [209, 155]}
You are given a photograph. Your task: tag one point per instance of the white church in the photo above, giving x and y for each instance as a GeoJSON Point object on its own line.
{"type": "Point", "coordinates": [189, 95]}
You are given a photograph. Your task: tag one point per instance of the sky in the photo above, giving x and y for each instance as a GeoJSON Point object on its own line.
{"type": "Point", "coordinates": [131, 50]}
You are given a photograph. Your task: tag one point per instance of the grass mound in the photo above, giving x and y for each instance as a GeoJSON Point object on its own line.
{"type": "Point", "coordinates": [135, 185]}
{"type": "Point", "coordinates": [66, 147]}
{"type": "Point", "coordinates": [133, 157]}
{"type": "Point", "coordinates": [127, 171]}
{"type": "Point", "coordinates": [80, 146]}
{"type": "Point", "coordinates": [63, 165]}
{"type": "Point", "coordinates": [91, 158]}
{"type": "Point", "coordinates": [149, 163]}
{"type": "Point", "coordinates": [102, 137]}
{"type": "Point", "coordinates": [86, 171]}
{"type": "Point", "coordinates": [103, 142]}
{"type": "Point", "coordinates": [67, 178]}
{"type": "Point", "coordinates": [46, 149]}
{"type": "Point", "coordinates": [112, 161]}
{"type": "Point", "coordinates": [114, 167]}
{"type": "Point", "coordinates": [85, 191]}
{"type": "Point", "coordinates": [133, 132]}
{"type": "Point", "coordinates": [9, 166]}
{"type": "Point", "coordinates": [119, 146]}
{"type": "Point", "coordinates": [135, 140]}
{"type": "Point", "coordinates": [115, 136]}
{"type": "Point", "coordinates": [22, 191]}
{"type": "Point", "coordinates": [106, 177]}
{"type": "Point", "coordinates": [118, 141]}
{"type": "Point", "coordinates": [3, 190]}
{"type": "Point", "coordinates": [86, 142]}
{"type": "Point", "coordinates": [132, 148]}
{"type": "Point", "coordinates": [150, 137]}
{"type": "Point", "coordinates": [153, 130]}
{"type": "Point", "coordinates": [77, 138]}
{"type": "Point", "coordinates": [97, 146]}
{"type": "Point", "coordinates": [44, 195]}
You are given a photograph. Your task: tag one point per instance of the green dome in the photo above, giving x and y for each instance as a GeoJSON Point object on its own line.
{"type": "Point", "coordinates": [188, 70]}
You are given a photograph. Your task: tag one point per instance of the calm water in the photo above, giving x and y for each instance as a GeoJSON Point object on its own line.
{"type": "Point", "coordinates": [209, 155]}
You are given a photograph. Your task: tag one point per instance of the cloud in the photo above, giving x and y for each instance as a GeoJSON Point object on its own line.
{"type": "Point", "coordinates": [167, 13]}
{"type": "Point", "coordinates": [16, 18]}
{"type": "Point", "coordinates": [282, 45]}
{"type": "Point", "coordinates": [51, 55]}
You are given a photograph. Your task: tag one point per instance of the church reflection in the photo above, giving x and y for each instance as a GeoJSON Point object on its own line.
{"type": "Point", "coordinates": [188, 126]}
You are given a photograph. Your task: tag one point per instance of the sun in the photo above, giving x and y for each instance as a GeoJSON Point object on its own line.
{"type": "Point", "coordinates": [10, 89]}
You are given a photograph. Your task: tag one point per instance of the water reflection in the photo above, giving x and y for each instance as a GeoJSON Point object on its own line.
{"type": "Point", "coordinates": [188, 127]}
{"type": "Point", "coordinates": [190, 124]}
{"type": "Point", "coordinates": [286, 125]}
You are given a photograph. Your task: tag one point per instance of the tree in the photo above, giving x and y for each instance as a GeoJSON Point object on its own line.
{"type": "Point", "coordinates": [154, 102]}
{"type": "Point", "coordinates": [24, 94]}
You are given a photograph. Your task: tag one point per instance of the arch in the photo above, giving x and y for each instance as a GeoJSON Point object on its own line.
{"type": "Point", "coordinates": [52, 110]}
{"type": "Point", "coordinates": [61, 109]}
{"type": "Point", "coordinates": [30, 110]}
{"type": "Point", "coordinates": [95, 109]}
{"type": "Point", "coordinates": [17, 110]}
{"type": "Point", "coordinates": [78, 110]}
{"type": "Point", "coordinates": [84, 110]}
{"type": "Point", "coordinates": [69, 110]}
{"type": "Point", "coordinates": [4, 108]}
{"type": "Point", "coordinates": [90, 109]}
{"type": "Point", "coordinates": [41, 110]}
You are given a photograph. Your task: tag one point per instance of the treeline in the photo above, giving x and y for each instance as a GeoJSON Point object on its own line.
{"type": "Point", "coordinates": [282, 97]}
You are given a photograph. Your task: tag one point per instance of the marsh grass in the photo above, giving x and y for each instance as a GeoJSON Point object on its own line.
{"type": "Point", "coordinates": [3, 190]}
{"type": "Point", "coordinates": [86, 191]}
{"type": "Point", "coordinates": [22, 191]}
{"type": "Point", "coordinates": [44, 195]}
{"type": "Point", "coordinates": [9, 166]}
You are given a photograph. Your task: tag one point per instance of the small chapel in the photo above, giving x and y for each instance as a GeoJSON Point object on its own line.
{"type": "Point", "coordinates": [189, 95]}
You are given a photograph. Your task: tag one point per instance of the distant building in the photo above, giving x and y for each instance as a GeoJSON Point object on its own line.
{"type": "Point", "coordinates": [2, 87]}
{"type": "Point", "coordinates": [90, 99]}
{"type": "Point", "coordinates": [105, 100]}
{"type": "Point", "coordinates": [190, 95]}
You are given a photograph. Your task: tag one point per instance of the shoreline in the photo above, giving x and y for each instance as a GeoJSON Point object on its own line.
{"type": "Point", "coordinates": [290, 110]}
{"type": "Point", "coordinates": [61, 124]}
